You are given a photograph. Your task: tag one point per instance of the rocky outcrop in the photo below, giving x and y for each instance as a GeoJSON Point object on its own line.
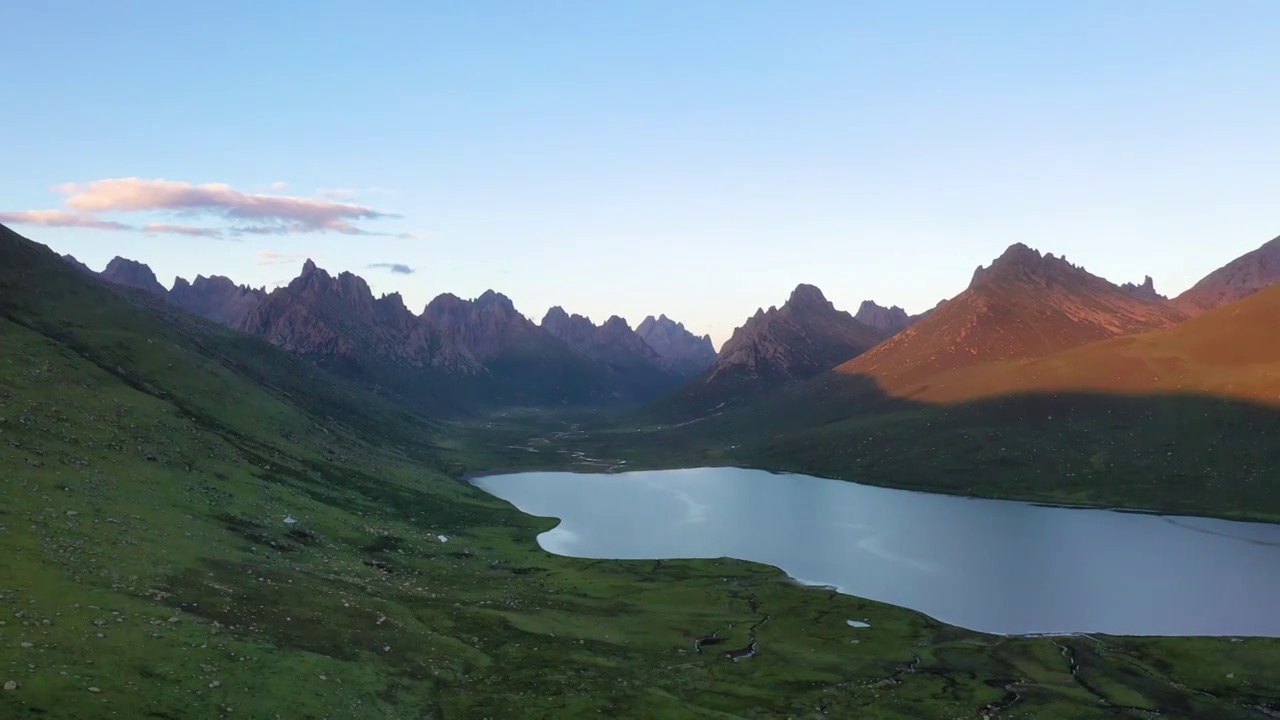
{"type": "Point", "coordinates": [890, 319]}
{"type": "Point", "coordinates": [1238, 279]}
{"type": "Point", "coordinates": [1145, 291]}
{"type": "Point", "coordinates": [133, 274]}
{"type": "Point", "coordinates": [686, 353]}
{"type": "Point", "coordinates": [216, 298]}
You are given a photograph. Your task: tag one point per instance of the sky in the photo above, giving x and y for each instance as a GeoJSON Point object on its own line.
{"type": "Point", "coordinates": [642, 157]}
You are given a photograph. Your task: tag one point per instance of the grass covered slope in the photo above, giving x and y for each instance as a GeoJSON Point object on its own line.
{"type": "Point", "coordinates": [148, 464]}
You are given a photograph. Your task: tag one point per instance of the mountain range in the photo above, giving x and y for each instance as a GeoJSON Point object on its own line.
{"type": "Point", "coordinates": [457, 353]}
{"type": "Point", "coordinates": [1023, 306]}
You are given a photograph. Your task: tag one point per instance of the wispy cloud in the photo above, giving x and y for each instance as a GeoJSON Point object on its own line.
{"type": "Point", "coordinates": [60, 218]}
{"type": "Point", "coordinates": [335, 224]}
{"type": "Point", "coordinates": [278, 185]}
{"type": "Point", "coordinates": [270, 213]}
{"type": "Point", "coordinates": [397, 268]}
{"type": "Point", "coordinates": [274, 258]}
{"type": "Point", "coordinates": [190, 230]}
{"type": "Point", "coordinates": [352, 193]}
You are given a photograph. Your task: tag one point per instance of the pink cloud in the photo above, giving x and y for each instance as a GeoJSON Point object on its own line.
{"type": "Point", "coordinates": [278, 185]}
{"type": "Point", "coordinates": [60, 218]}
{"type": "Point", "coordinates": [277, 213]}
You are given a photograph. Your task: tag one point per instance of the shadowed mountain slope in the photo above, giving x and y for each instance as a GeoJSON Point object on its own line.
{"type": "Point", "coordinates": [779, 347]}
{"type": "Point", "coordinates": [216, 298]}
{"type": "Point", "coordinates": [614, 345]}
{"type": "Point", "coordinates": [685, 352]}
{"type": "Point", "coordinates": [133, 274]}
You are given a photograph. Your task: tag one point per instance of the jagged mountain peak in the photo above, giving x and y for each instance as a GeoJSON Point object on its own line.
{"type": "Point", "coordinates": [616, 323]}
{"type": "Point", "coordinates": [685, 352]}
{"type": "Point", "coordinates": [1022, 261]}
{"type": "Point", "coordinates": [393, 299]}
{"type": "Point", "coordinates": [443, 302]}
{"type": "Point", "coordinates": [892, 318]}
{"type": "Point", "coordinates": [134, 274]}
{"type": "Point", "coordinates": [216, 298]}
{"type": "Point", "coordinates": [492, 298]}
{"type": "Point", "coordinates": [807, 296]}
{"type": "Point", "coordinates": [805, 337]}
{"type": "Point", "coordinates": [1145, 291]}
{"type": "Point", "coordinates": [573, 329]}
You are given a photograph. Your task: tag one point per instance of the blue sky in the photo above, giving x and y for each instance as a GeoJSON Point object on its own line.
{"type": "Point", "coordinates": [694, 159]}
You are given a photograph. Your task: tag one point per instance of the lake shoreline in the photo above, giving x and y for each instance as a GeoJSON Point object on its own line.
{"type": "Point", "coordinates": [903, 556]}
{"type": "Point", "coordinates": [1154, 512]}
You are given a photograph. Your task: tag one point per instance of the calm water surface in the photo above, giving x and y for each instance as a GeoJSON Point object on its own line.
{"type": "Point", "coordinates": [990, 565]}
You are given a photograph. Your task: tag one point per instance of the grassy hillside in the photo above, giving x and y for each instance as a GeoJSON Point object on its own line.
{"type": "Point", "coordinates": [150, 465]}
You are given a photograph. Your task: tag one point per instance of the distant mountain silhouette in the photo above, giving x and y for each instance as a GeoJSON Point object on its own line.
{"type": "Point", "coordinates": [462, 352]}
{"type": "Point", "coordinates": [1239, 278]}
{"type": "Point", "coordinates": [781, 346]}
{"type": "Point", "coordinates": [133, 274]}
{"type": "Point", "coordinates": [216, 298]}
{"type": "Point", "coordinates": [458, 353]}
{"type": "Point", "coordinates": [685, 352]}
{"type": "Point", "coordinates": [1024, 305]}
{"type": "Point", "coordinates": [615, 345]}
